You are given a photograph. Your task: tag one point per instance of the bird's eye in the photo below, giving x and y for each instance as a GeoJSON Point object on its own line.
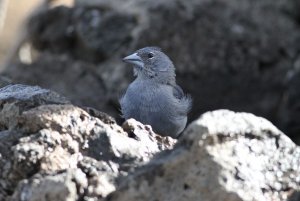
{"type": "Point", "coordinates": [150, 55]}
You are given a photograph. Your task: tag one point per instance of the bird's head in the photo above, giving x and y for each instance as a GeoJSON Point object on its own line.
{"type": "Point", "coordinates": [152, 63]}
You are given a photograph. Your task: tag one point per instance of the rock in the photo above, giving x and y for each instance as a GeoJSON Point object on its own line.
{"type": "Point", "coordinates": [295, 196]}
{"type": "Point", "coordinates": [222, 156]}
{"type": "Point", "coordinates": [30, 96]}
{"type": "Point", "coordinates": [51, 149]}
{"type": "Point", "coordinates": [17, 98]}
{"type": "Point", "coordinates": [142, 132]}
{"type": "Point", "coordinates": [47, 30]}
{"type": "Point", "coordinates": [4, 81]}
{"type": "Point", "coordinates": [226, 55]}
{"type": "Point", "coordinates": [85, 87]}
{"type": "Point", "coordinates": [86, 31]}
{"type": "Point", "coordinates": [100, 115]}
{"type": "Point", "coordinates": [60, 187]}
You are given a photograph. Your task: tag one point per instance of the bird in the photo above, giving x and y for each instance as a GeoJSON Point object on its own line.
{"type": "Point", "coordinates": [154, 98]}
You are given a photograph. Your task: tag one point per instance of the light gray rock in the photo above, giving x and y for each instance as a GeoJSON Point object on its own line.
{"type": "Point", "coordinates": [50, 149]}
{"type": "Point", "coordinates": [14, 99]}
{"type": "Point", "coordinates": [142, 133]}
{"type": "Point", "coordinates": [222, 156]}
{"type": "Point", "coordinates": [60, 187]}
{"type": "Point", "coordinates": [53, 150]}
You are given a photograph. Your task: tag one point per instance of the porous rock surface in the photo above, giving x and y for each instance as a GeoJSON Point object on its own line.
{"type": "Point", "coordinates": [53, 150]}
{"type": "Point", "coordinates": [222, 156]}
{"type": "Point", "coordinates": [228, 54]}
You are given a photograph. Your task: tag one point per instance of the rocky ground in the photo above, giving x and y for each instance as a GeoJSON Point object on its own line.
{"type": "Point", "coordinates": [53, 150]}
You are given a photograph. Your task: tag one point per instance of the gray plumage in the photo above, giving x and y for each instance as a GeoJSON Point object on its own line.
{"type": "Point", "coordinates": [153, 97]}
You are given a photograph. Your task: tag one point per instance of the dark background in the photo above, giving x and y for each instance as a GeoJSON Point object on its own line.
{"type": "Point", "coordinates": [241, 55]}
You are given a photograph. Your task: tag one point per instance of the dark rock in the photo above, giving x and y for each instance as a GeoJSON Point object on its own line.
{"type": "Point", "coordinates": [4, 81]}
{"type": "Point", "coordinates": [81, 82]}
{"type": "Point", "coordinates": [52, 30]}
{"type": "Point", "coordinates": [94, 28]}
{"type": "Point", "coordinates": [290, 111]}
{"type": "Point", "coordinates": [228, 54]}
{"type": "Point", "coordinates": [295, 196]}
{"type": "Point", "coordinates": [100, 115]}
{"type": "Point", "coordinates": [32, 95]}
{"type": "Point", "coordinates": [82, 32]}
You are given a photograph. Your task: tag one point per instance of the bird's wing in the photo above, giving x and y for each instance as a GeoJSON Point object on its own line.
{"type": "Point", "coordinates": [177, 92]}
{"type": "Point", "coordinates": [185, 100]}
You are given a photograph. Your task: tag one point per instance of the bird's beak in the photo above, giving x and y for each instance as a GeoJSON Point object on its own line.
{"type": "Point", "coordinates": [134, 59]}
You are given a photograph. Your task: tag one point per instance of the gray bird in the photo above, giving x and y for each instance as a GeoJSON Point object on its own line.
{"type": "Point", "coordinates": [153, 97]}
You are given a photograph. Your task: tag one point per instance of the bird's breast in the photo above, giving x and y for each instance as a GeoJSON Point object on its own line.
{"type": "Point", "coordinates": [143, 96]}
{"type": "Point", "coordinates": [144, 99]}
